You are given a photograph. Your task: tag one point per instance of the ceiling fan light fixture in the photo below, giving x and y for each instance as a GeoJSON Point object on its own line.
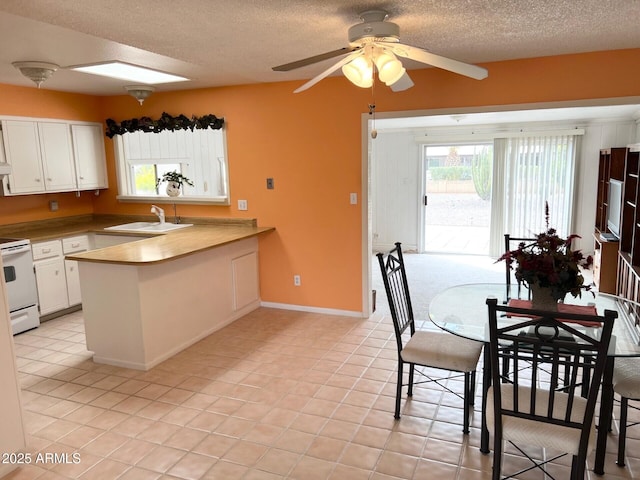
{"type": "Point", "coordinates": [374, 27]}
{"type": "Point", "coordinates": [140, 92]}
{"type": "Point", "coordinates": [403, 83]}
{"type": "Point", "coordinates": [390, 69]}
{"type": "Point", "coordinates": [359, 71]}
{"type": "Point", "coordinates": [37, 72]}
{"type": "Point", "coordinates": [376, 37]}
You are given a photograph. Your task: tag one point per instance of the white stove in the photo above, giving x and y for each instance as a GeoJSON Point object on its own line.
{"type": "Point", "coordinates": [20, 279]}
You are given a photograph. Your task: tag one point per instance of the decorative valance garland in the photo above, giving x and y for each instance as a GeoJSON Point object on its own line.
{"type": "Point", "coordinates": [165, 122]}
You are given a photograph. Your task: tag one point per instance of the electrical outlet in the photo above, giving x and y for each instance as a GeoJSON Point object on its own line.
{"type": "Point", "coordinates": [270, 183]}
{"type": "Point", "coordinates": [353, 198]}
{"type": "Point", "coordinates": [242, 205]}
{"type": "Point", "coordinates": [296, 280]}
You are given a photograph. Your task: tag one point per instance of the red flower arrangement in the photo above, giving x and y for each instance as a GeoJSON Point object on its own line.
{"type": "Point", "coordinates": [550, 263]}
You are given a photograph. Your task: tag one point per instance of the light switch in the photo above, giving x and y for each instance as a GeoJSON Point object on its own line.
{"type": "Point", "coordinates": [353, 198]}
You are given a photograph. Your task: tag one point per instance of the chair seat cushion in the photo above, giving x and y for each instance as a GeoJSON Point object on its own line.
{"type": "Point", "coordinates": [522, 431]}
{"type": "Point", "coordinates": [442, 350]}
{"type": "Point", "coordinates": [626, 377]}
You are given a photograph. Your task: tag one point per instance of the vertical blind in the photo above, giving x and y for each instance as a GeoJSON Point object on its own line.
{"type": "Point", "coordinates": [532, 171]}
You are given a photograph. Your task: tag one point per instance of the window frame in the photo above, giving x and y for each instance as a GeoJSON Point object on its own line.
{"type": "Point", "coordinates": [125, 179]}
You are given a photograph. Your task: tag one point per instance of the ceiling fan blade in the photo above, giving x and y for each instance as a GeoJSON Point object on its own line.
{"type": "Point", "coordinates": [315, 59]}
{"type": "Point", "coordinates": [422, 56]}
{"type": "Point", "coordinates": [328, 71]}
{"type": "Point", "coordinates": [404, 83]}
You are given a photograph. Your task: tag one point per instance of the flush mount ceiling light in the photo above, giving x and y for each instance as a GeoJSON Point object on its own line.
{"type": "Point", "coordinates": [140, 92]}
{"type": "Point", "coordinates": [38, 72]}
{"type": "Point", "coordinates": [126, 71]}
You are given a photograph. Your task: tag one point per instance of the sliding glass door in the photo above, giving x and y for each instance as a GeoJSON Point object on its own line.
{"type": "Point", "coordinates": [475, 193]}
{"type": "Point", "coordinates": [457, 191]}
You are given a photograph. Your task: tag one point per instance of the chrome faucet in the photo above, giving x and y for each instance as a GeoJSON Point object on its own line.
{"type": "Point", "coordinates": [176, 218]}
{"type": "Point", "coordinates": [159, 212]}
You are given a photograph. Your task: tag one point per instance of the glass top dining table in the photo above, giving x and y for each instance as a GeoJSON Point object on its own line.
{"type": "Point", "coordinates": [462, 310]}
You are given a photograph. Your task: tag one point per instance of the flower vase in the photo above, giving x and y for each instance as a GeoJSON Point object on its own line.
{"type": "Point", "coordinates": [542, 298]}
{"type": "Point", "coordinates": [173, 189]}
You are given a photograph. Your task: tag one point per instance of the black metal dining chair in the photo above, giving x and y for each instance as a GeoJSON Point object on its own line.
{"type": "Point", "coordinates": [439, 350]}
{"type": "Point", "coordinates": [511, 243]}
{"type": "Point", "coordinates": [541, 409]}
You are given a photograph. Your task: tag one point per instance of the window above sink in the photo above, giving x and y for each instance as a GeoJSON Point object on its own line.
{"type": "Point", "coordinates": [200, 155]}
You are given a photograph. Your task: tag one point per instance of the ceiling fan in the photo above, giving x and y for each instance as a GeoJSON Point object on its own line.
{"type": "Point", "coordinates": [375, 44]}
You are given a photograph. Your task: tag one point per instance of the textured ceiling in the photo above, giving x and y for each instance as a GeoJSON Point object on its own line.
{"type": "Point", "coordinates": [220, 43]}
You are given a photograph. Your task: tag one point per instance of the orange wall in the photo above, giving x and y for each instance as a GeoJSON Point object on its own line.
{"type": "Point", "coordinates": [310, 143]}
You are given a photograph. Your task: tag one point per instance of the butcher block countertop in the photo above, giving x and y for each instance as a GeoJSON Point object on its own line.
{"type": "Point", "coordinates": [145, 248]}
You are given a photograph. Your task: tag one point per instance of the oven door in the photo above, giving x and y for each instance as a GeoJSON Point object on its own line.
{"type": "Point", "coordinates": [19, 277]}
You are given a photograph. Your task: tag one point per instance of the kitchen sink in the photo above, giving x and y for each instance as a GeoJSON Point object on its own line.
{"type": "Point", "coordinates": [147, 227]}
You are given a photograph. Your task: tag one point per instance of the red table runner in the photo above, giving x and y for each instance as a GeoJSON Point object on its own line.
{"type": "Point", "coordinates": [564, 308]}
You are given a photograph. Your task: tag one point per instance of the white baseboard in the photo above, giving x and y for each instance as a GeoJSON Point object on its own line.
{"type": "Point", "coordinates": [303, 308]}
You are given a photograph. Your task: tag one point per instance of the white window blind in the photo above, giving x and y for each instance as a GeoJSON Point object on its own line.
{"type": "Point", "coordinates": [534, 170]}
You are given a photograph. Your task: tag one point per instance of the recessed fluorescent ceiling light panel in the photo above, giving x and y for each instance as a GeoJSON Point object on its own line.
{"type": "Point", "coordinates": [133, 73]}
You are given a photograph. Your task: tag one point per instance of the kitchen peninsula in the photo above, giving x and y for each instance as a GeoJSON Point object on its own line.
{"type": "Point", "coordinates": [146, 300]}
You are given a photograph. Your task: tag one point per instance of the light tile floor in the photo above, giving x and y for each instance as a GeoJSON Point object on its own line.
{"type": "Point", "coordinates": [277, 394]}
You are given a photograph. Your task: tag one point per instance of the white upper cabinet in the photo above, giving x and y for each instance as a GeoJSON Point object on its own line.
{"type": "Point", "coordinates": [53, 156]}
{"type": "Point", "coordinates": [22, 150]}
{"type": "Point", "coordinates": [88, 146]}
{"type": "Point", "coordinates": [57, 157]}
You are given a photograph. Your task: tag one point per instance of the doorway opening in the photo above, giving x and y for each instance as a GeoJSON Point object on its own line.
{"type": "Point", "coordinates": [457, 198]}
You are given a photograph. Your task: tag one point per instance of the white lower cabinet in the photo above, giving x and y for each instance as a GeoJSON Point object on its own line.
{"type": "Point", "coordinates": [58, 279]}
{"type": "Point", "coordinates": [138, 314]}
{"type": "Point", "coordinates": [74, 245]}
{"type": "Point", "coordinates": [51, 279]}
{"type": "Point", "coordinates": [73, 282]}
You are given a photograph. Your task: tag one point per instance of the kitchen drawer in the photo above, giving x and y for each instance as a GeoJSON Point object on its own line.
{"type": "Point", "coordinates": [49, 249]}
{"type": "Point", "coordinates": [79, 243]}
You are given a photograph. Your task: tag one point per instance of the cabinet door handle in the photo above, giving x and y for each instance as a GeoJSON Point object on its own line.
{"type": "Point", "coordinates": [50, 179]}
{"type": "Point", "coordinates": [75, 245]}
{"type": "Point", "coordinates": [46, 250]}
{"type": "Point", "coordinates": [37, 179]}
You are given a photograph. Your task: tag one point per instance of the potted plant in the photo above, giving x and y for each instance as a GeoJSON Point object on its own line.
{"type": "Point", "coordinates": [549, 267]}
{"type": "Point", "coordinates": [174, 180]}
